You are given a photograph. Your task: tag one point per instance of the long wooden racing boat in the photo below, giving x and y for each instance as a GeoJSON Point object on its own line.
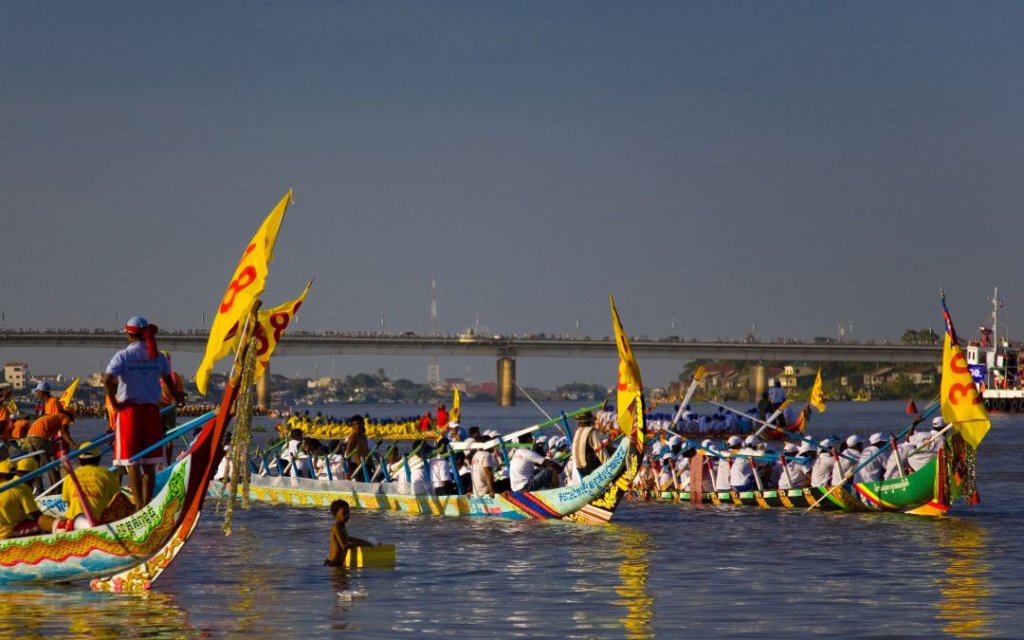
{"type": "Point", "coordinates": [593, 500]}
{"type": "Point", "coordinates": [930, 490]}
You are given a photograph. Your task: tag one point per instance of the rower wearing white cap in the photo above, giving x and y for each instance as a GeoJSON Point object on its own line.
{"type": "Point", "coordinates": [798, 474]}
{"type": "Point", "coordinates": [872, 471]}
{"type": "Point", "coordinates": [821, 472]}
{"type": "Point", "coordinates": [667, 476]}
{"type": "Point", "coordinates": [892, 463]}
{"type": "Point", "coordinates": [741, 473]}
{"type": "Point", "coordinates": [722, 476]}
{"type": "Point", "coordinates": [778, 475]}
{"type": "Point", "coordinates": [927, 446]}
{"type": "Point", "coordinates": [847, 459]}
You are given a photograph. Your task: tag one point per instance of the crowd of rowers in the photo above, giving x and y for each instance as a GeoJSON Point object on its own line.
{"type": "Point", "coordinates": [459, 461]}
{"type": "Point", "coordinates": [29, 442]}
{"type": "Point", "coordinates": [747, 464]}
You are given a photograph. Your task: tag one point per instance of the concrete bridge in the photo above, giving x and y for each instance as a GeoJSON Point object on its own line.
{"type": "Point", "coordinates": [507, 348]}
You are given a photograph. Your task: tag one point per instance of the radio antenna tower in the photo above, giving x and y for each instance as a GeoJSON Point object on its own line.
{"type": "Point", "coordinates": [434, 370]}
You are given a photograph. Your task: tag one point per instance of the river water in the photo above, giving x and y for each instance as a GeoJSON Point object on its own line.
{"type": "Point", "coordinates": [659, 570]}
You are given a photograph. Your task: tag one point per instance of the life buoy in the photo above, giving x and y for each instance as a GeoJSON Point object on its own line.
{"type": "Point", "coordinates": [1001, 405]}
{"type": "Point", "coordinates": [988, 404]}
{"type": "Point", "coordinates": [1015, 406]}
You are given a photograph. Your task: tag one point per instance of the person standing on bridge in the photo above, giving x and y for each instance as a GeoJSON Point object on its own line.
{"type": "Point", "coordinates": [132, 381]}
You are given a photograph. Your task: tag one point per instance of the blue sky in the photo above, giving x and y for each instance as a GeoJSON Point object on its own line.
{"type": "Point", "coordinates": [789, 165]}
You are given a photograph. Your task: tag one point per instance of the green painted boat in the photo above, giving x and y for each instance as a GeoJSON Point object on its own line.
{"type": "Point", "coordinates": [930, 490]}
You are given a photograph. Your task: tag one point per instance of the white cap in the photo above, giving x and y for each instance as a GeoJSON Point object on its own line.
{"type": "Point", "coordinates": [790, 448]}
{"type": "Point", "coordinates": [657, 448]}
{"type": "Point", "coordinates": [751, 441]}
{"type": "Point", "coordinates": [706, 443]}
{"type": "Point", "coordinates": [876, 438]}
{"type": "Point", "coordinates": [734, 441]}
{"type": "Point", "coordinates": [853, 440]}
{"type": "Point", "coordinates": [491, 433]}
{"type": "Point", "coordinates": [667, 455]}
{"type": "Point", "coordinates": [541, 439]}
{"type": "Point", "coordinates": [805, 447]}
{"type": "Point", "coordinates": [937, 423]}
{"type": "Point", "coordinates": [826, 443]}
{"type": "Point", "coordinates": [674, 440]}
{"type": "Point", "coordinates": [452, 424]}
{"type": "Point", "coordinates": [43, 386]}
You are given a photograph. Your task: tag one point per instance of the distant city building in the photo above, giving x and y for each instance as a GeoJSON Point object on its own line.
{"type": "Point", "coordinates": [16, 374]}
{"type": "Point", "coordinates": [455, 383]}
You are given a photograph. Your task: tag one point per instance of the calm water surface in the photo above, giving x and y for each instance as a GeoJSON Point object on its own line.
{"type": "Point", "coordinates": [661, 569]}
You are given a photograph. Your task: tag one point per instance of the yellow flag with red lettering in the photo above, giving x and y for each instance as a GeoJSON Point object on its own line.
{"type": "Point", "coordinates": [245, 287]}
{"type": "Point", "coordinates": [270, 324]}
{"type": "Point", "coordinates": [630, 386]}
{"type": "Point", "coordinates": [959, 398]}
{"type": "Point", "coordinates": [456, 411]}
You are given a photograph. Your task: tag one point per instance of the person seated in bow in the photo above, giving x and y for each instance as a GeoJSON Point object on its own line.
{"type": "Point", "coordinates": [98, 485]}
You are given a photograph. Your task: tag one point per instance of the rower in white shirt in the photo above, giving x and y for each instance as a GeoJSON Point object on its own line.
{"type": "Point", "coordinates": [667, 476]}
{"type": "Point", "coordinates": [821, 472]}
{"type": "Point", "coordinates": [722, 471]}
{"type": "Point", "coordinates": [892, 464]}
{"type": "Point", "coordinates": [848, 459]}
{"type": "Point", "coordinates": [872, 471]}
{"type": "Point", "coordinates": [927, 445]}
{"type": "Point", "coordinates": [778, 477]}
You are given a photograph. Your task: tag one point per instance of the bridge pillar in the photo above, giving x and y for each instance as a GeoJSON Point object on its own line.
{"type": "Point", "coordinates": [506, 381]}
{"type": "Point", "coordinates": [263, 389]}
{"type": "Point", "coordinates": [758, 381]}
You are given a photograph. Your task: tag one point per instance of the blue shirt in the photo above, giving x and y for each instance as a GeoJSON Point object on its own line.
{"type": "Point", "coordinates": [138, 377]}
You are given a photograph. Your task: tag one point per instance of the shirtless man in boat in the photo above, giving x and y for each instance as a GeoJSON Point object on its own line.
{"type": "Point", "coordinates": [357, 446]}
{"type": "Point", "coordinates": [341, 542]}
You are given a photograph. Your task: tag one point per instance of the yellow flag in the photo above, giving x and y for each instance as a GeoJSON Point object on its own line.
{"type": "Point", "coordinates": [630, 386]}
{"type": "Point", "coordinates": [960, 401]}
{"type": "Point", "coordinates": [817, 395]}
{"type": "Point", "coordinates": [456, 411]}
{"type": "Point", "coordinates": [69, 393]}
{"type": "Point", "coordinates": [698, 375]}
{"type": "Point", "coordinates": [245, 286]}
{"type": "Point", "coordinates": [270, 324]}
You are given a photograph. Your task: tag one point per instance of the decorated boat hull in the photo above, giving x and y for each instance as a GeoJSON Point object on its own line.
{"type": "Point", "coordinates": [928, 491]}
{"type": "Point", "coordinates": [593, 500]}
{"type": "Point", "coordinates": [150, 536]}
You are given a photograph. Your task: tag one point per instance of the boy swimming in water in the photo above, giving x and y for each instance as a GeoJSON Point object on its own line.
{"type": "Point", "coordinates": [341, 542]}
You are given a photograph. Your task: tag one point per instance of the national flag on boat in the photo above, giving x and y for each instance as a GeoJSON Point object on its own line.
{"type": "Point", "coordinates": [629, 385]}
{"type": "Point", "coordinates": [68, 396]}
{"type": "Point", "coordinates": [245, 287]}
{"type": "Point", "coordinates": [961, 403]}
{"type": "Point", "coordinates": [817, 398]}
{"type": "Point", "coordinates": [270, 324]}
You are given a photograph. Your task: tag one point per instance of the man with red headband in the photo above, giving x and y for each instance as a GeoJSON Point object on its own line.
{"type": "Point", "coordinates": [132, 381]}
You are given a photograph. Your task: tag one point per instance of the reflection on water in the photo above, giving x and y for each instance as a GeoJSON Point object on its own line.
{"type": "Point", "coordinates": [634, 571]}
{"type": "Point", "coordinates": [70, 611]}
{"type": "Point", "coordinates": [966, 586]}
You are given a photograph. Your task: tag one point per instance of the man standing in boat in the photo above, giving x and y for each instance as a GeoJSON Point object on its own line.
{"type": "Point", "coordinates": [132, 381]}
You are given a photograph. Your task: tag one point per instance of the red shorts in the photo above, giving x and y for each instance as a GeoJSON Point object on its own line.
{"type": "Point", "coordinates": [138, 427]}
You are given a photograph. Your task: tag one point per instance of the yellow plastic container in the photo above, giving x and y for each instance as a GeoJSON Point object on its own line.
{"type": "Point", "coordinates": [382, 555]}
